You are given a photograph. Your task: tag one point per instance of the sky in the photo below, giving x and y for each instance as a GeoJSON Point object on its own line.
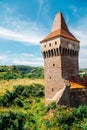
{"type": "Point", "coordinates": [23, 23]}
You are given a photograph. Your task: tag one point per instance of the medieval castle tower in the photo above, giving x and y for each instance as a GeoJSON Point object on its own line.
{"type": "Point", "coordinates": [60, 51]}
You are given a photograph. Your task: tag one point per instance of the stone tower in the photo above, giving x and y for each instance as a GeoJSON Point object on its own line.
{"type": "Point", "coordinates": [60, 51]}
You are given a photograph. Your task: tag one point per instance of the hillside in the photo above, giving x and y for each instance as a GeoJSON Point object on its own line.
{"type": "Point", "coordinates": [22, 105]}
{"type": "Point", "coordinates": [20, 71]}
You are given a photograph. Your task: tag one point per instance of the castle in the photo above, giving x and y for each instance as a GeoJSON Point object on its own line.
{"type": "Point", "coordinates": [60, 51]}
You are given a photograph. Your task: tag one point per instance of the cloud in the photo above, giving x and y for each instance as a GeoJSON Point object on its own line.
{"type": "Point", "coordinates": [30, 37]}
{"type": "Point", "coordinates": [14, 27]}
{"type": "Point", "coordinates": [74, 9]}
{"type": "Point", "coordinates": [34, 62]}
{"type": "Point", "coordinates": [22, 59]}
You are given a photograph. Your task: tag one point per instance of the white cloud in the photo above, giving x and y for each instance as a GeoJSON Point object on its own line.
{"type": "Point", "coordinates": [17, 28]}
{"type": "Point", "coordinates": [30, 37]}
{"type": "Point", "coordinates": [22, 59]}
{"type": "Point", "coordinates": [27, 55]}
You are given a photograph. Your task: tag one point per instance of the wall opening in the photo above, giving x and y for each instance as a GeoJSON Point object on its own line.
{"type": "Point", "coordinates": [52, 89]}
{"type": "Point", "coordinates": [50, 77]}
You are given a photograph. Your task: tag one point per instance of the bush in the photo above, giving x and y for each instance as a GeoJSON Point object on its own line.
{"type": "Point", "coordinates": [52, 105]}
{"type": "Point", "coordinates": [12, 120]}
{"type": "Point", "coordinates": [18, 102]}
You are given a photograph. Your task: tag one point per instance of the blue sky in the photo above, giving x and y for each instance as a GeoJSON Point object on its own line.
{"type": "Point", "coordinates": [23, 23]}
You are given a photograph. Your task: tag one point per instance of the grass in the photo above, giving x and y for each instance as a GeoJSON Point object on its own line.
{"type": "Point", "coordinates": [34, 115]}
{"type": "Point", "coordinates": [8, 85]}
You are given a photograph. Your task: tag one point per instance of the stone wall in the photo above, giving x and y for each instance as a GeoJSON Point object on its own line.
{"type": "Point", "coordinates": [53, 79]}
{"type": "Point", "coordinates": [73, 97]}
{"type": "Point", "coordinates": [69, 66]}
{"type": "Point", "coordinates": [78, 97]}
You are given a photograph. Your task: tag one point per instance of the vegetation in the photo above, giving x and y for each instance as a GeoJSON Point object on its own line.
{"type": "Point", "coordinates": [83, 72]}
{"type": "Point", "coordinates": [25, 105]}
{"type": "Point", "coordinates": [20, 71]}
{"type": "Point", "coordinates": [22, 105]}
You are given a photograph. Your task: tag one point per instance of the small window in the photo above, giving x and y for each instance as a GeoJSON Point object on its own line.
{"type": "Point", "coordinates": [49, 44]}
{"type": "Point", "coordinates": [52, 89]}
{"type": "Point", "coordinates": [50, 77]}
{"type": "Point", "coordinates": [44, 45]}
{"type": "Point", "coordinates": [55, 43]}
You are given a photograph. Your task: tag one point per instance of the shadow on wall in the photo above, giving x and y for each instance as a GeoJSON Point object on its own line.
{"type": "Point", "coordinates": [78, 97]}
{"type": "Point", "coordinates": [73, 97]}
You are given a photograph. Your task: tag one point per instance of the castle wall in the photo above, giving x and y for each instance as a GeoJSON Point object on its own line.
{"type": "Point", "coordinates": [73, 97]}
{"type": "Point", "coordinates": [53, 79]}
{"type": "Point", "coordinates": [78, 97]}
{"type": "Point", "coordinates": [69, 66]}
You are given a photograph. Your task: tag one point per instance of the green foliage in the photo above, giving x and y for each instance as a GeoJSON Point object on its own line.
{"type": "Point", "coordinates": [24, 109]}
{"type": "Point", "coordinates": [15, 97]}
{"type": "Point", "coordinates": [14, 121]}
{"type": "Point", "coordinates": [83, 72]}
{"type": "Point", "coordinates": [36, 73]}
{"type": "Point", "coordinates": [18, 102]}
{"type": "Point", "coordinates": [20, 71]}
{"type": "Point", "coordinates": [70, 119]}
{"type": "Point", "coordinates": [21, 114]}
{"type": "Point", "coordinates": [35, 90]}
{"type": "Point", "coordinates": [52, 105]}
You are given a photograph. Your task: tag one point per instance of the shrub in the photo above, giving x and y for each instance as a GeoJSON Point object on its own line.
{"type": "Point", "coordinates": [52, 105]}
{"type": "Point", "coordinates": [18, 102]}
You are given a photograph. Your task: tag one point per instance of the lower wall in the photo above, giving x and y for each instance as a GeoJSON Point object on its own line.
{"type": "Point", "coordinates": [73, 97]}
{"type": "Point", "coordinates": [78, 97]}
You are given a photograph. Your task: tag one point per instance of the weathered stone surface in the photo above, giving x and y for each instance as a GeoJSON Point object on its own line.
{"type": "Point", "coordinates": [78, 97]}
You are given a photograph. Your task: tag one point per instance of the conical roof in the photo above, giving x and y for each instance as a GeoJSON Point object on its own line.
{"type": "Point", "coordinates": [59, 23]}
{"type": "Point", "coordinates": [59, 28]}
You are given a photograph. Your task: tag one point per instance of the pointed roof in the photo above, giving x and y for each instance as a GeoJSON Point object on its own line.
{"type": "Point", "coordinates": [59, 23]}
{"type": "Point", "coordinates": [59, 28]}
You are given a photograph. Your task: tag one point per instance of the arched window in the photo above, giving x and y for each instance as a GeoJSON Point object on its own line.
{"type": "Point", "coordinates": [60, 50]}
{"type": "Point", "coordinates": [73, 52]}
{"type": "Point", "coordinates": [52, 52]}
{"type": "Point", "coordinates": [68, 52]}
{"type": "Point", "coordinates": [77, 53]}
{"type": "Point", "coordinates": [48, 53]}
{"type": "Point", "coordinates": [65, 52]}
{"type": "Point", "coordinates": [44, 54]}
